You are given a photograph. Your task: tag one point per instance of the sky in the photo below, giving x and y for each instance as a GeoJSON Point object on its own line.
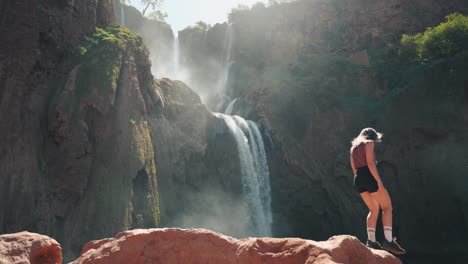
{"type": "Point", "coordinates": [184, 13]}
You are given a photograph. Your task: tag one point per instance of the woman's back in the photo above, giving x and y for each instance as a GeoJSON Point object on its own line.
{"type": "Point", "coordinates": [359, 156]}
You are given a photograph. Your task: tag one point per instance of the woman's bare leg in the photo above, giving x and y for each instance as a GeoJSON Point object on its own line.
{"type": "Point", "coordinates": [373, 206]}
{"type": "Point", "coordinates": [383, 198]}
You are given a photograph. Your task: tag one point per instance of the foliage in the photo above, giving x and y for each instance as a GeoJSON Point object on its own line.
{"type": "Point", "coordinates": [146, 3]}
{"type": "Point", "coordinates": [258, 5]}
{"type": "Point", "coordinates": [278, 2]}
{"type": "Point", "coordinates": [157, 15]}
{"type": "Point", "coordinates": [237, 13]}
{"type": "Point", "coordinates": [102, 54]}
{"type": "Point", "coordinates": [446, 39]}
{"type": "Point", "coordinates": [156, 210]}
{"type": "Point", "coordinates": [202, 25]}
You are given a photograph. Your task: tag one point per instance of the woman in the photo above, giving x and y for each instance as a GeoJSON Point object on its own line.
{"type": "Point", "coordinates": [367, 181]}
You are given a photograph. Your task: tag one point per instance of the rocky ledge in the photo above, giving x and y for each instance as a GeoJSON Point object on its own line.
{"type": "Point", "coordinates": [171, 245]}
{"type": "Point", "coordinates": [204, 246]}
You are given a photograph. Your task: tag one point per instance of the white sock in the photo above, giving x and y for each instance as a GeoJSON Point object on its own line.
{"type": "Point", "coordinates": [371, 234]}
{"type": "Point", "coordinates": [388, 233]}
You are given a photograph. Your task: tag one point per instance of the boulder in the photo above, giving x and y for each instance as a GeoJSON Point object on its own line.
{"type": "Point", "coordinates": [172, 245]}
{"type": "Point", "coordinates": [26, 247]}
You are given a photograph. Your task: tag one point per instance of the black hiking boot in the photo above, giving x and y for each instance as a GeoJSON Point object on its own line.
{"type": "Point", "coordinates": [393, 247]}
{"type": "Point", "coordinates": [374, 245]}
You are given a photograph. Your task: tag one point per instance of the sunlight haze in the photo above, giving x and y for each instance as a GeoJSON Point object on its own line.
{"type": "Point", "coordinates": [184, 13]}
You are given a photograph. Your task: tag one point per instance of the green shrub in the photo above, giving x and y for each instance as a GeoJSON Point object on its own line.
{"type": "Point", "coordinates": [103, 51]}
{"type": "Point", "coordinates": [444, 40]}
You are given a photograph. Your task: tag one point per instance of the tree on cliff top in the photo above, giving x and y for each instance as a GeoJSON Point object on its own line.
{"type": "Point", "coordinates": [146, 3]}
{"type": "Point", "coordinates": [157, 15]}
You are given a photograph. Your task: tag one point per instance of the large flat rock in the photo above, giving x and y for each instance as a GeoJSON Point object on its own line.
{"type": "Point", "coordinates": [204, 246]}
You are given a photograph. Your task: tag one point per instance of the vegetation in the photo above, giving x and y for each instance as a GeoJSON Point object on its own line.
{"type": "Point", "coordinates": [444, 40]}
{"type": "Point", "coordinates": [147, 4]}
{"type": "Point", "coordinates": [202, 25]}
{"type": "Point", "coordinates": [158, 15]}
{"type": "Point", "coordinates": [156, 211]}
{"type": "Point", "coordinates": [102, 55]}
{"type": "Point", "coordinates": [144, 152]}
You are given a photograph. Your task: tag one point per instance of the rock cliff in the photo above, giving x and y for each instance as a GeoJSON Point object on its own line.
{"type": "Point", "coordinates": [85, 126]}
{"type": "Point", "coordinates": [77, 161]}
{"type": "Point", "coordinates": [320, 71]}
{"type": "Point", "coordinates": [96, 184]}
{"type": "Point", "coordinates": [157, 35]}
{"type": "Point", "coordinates": [198, 164]}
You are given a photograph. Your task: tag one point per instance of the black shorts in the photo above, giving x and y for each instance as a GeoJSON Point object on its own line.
{"type": "Point", "coordinates": [364, 181]}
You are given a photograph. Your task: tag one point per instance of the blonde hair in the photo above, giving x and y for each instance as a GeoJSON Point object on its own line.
{"type": "Point", "coordinates": [367, 135]}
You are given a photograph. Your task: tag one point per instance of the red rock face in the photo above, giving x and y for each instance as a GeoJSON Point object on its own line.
{"type": "Point", "coordinates": [36, 38]}
{"type": "Point", "coordinates": [203, 246]}
{"type": "Point", "coordinates": [25, 247]}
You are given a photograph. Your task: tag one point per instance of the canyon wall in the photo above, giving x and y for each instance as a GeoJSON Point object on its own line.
{"type": "Point", "coordinates": [314, 73]}
{"type": "Point", "coordinates": [77, 161]}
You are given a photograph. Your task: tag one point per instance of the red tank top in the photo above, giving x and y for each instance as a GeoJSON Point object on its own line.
{"type": "Point", "coordinates": [359, 156]}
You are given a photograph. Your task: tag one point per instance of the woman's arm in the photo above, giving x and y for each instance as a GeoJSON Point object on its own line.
{"type": "Point", "coordinates": [370, 156]}
{"type": "Point", "coordinates": [352, 164]}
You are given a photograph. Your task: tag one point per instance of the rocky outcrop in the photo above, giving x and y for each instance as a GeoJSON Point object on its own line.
{"type": "Point", "coordinates": [198, 164]}
{"type": "Point", "coordinates": [77, 161]}
{"type": "Point", "coordinates": [83, 121]}
{"type": "Point", "coordinates": [204, 246]}
{"type": "Point", "coordinates": [421, 111]}
{"type": "Point", "coordinates": [338, 28]}
{"type": "Point", "coordinates": [157, 35]}
{"type": "Point", "coordinates": [203, 54]}
{"type": "Point", "coordinates": [25, 247]}
{"type": "Point", "coordinates": [38, 40]}
{"type": "Point", "coordinates": [96, 184]}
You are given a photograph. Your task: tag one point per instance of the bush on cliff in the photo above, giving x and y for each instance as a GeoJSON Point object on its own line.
{"type": "Point", "coordinates": [444, 40]}
{"type": "Point", "coordinates": [102, 52]}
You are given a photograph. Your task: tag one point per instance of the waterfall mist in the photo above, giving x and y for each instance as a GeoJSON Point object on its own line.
{"type": "Point", "coordinates": [239, 204]}
{"type": "Point", "coordinates": [255, 176]}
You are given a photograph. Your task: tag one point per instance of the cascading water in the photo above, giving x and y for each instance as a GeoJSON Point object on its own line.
{"type": "Point", "coordinates": [119, 12]}
{"type": "Point", "coordinates": [122, 16]}
{"type": "Point", "coordinates": [255, 176]}
{"type": "Point", "coordinates": [227, 63]}
{"type": "Point", "coordinates": [176, 55]}
{"type": "Point", "coordinates": [177, 70]}
{"type": "Point", "coordinates": [230, 107]}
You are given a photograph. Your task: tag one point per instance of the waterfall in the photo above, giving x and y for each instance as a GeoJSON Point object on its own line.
{"type": "Point", "coordinates": [176, 55]}
{"type": "Point", "coordinates": [255, 175]}
{"type": "Point", "coordinates": [227, 63]}
{"type": "Point", "coordinates": [122, 15]}
{"type": "Point", "coordinates": [230, 107]}
{"type": "Point", "coordinates": [228, 44]}
{"type": "Point", "coordinates": [119, 12]}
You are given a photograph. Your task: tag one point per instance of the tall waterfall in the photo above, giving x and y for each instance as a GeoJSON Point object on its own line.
{"type": "Point", "coordinates": [119, 12]}
{"type": "Point", "coordinates": [255, 176]}
{"type": "Point", "coordinates": [176, 55]}
{"type": "Point", "coordinates": [122, 15]}
{"type": "Point", "coordinates": [227, 63]}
